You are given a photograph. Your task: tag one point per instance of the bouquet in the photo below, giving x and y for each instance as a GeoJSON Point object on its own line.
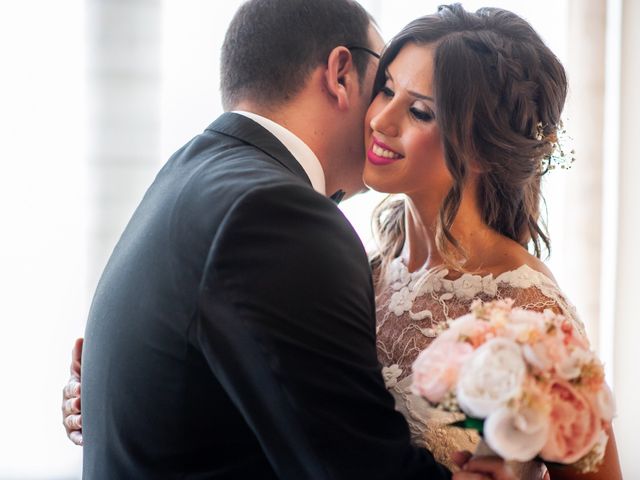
{"type": "Point", "coordinates": [526, 380]}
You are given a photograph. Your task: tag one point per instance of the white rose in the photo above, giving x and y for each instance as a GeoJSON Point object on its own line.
{"type": "Point", "coordinates": [605, 403]}
{"type": "Point", "coordinates": [516, 435]}
{"type": "Point", "coordinates": [536, 355]}
{"type": "Point", "coordinates": [571, 366]}
{"type": "Point", "coordinates": [492, 376]}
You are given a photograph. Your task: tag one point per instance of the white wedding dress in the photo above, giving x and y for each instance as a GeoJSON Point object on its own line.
{"type": "Point", "coordinates": [414, 307]}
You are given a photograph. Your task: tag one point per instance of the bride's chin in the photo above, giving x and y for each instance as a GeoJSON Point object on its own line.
{"type": "Point", "coordinates": [373, 188]}
{"type": "Point", "coordinates": [375, 184]}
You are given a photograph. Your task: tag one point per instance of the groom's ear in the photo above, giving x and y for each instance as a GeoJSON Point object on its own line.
{"type": "Point", "coordinates": [340, 77]}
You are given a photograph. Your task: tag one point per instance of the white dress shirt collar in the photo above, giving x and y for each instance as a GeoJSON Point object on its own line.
{"type": "Point", "coordinates": [300, 150]}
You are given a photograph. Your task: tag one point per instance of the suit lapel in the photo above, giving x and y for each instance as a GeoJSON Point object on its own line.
{"type": "Point", "coordinates": [247, 131]}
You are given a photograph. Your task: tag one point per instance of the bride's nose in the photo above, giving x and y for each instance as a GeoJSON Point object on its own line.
{"type": "Point", "coordinates": [384, 122]}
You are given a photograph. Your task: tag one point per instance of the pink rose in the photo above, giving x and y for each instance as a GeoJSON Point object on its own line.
{"type": "Point", "coordinates": [547, 353]}
{"type": "Point", "coordinates": [572, 336]}
{"type": "Point", "coordinates": [436, 370]}
{"type": "Point", "coordinates": [467, 328]}
{"type": "Point", "coordinates": [524, 326]}
{"type": "Point", "coordinates": [575, 426]}
{"type": "Point", "coordinates": [532, 318]}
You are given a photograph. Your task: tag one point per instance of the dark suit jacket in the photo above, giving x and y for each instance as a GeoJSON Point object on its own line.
{"type": "Point", "coordinates": [232, 335]}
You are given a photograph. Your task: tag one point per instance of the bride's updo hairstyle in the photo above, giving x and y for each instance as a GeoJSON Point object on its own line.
{"type": "Point", "coordinates": [499, 93]}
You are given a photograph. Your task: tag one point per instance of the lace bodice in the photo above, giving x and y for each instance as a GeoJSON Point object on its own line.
{"type": "Point", "coordinates": [414, 307]}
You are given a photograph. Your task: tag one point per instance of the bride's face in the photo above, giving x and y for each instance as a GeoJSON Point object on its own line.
{"type": "Point", "coordinates": [403, 141]}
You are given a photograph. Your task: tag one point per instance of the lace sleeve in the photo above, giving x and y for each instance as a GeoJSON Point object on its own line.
{"type": "Point", "coordinates": [541, 295]}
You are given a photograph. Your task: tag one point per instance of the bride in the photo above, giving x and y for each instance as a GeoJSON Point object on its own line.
{"type": "Point", "coordinates": [463, 125]}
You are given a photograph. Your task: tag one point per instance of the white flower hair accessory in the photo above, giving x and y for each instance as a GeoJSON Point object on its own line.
{"type": "Point", "coordinates": [561, 156]}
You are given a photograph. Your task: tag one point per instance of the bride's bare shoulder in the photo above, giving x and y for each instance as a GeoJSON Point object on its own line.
{"type": "Point", "coordinates": [538, 265]}
{"type": "Point", "coordinates": [515, 256]}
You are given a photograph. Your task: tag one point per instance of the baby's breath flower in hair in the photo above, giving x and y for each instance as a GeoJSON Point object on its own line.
{"type": "Point", "coordinates": [561, 155]}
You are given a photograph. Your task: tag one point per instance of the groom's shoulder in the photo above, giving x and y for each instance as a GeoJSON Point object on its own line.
{"type": "Point", "coordinates": [214, 162]}
{"type": "Point", "coordinates": [287, 205]}
{"type": "Point", "coordinates": [214, 168]}
{"type": "Point", "coordinates": [297, 228]}
{"type": "Point", "coordinates": [294, 216]}
{"type": "Point", "coordinates": [215, 178]}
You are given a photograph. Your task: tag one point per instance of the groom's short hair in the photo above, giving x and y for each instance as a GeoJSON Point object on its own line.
{"type": "Point", "coordinates": [272, 46]}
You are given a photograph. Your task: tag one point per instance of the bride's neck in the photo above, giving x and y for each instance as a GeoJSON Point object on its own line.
{"type": "Point", "coordinates": [473, 235]}
{"type": "Point", "coordinates": [419, 244]}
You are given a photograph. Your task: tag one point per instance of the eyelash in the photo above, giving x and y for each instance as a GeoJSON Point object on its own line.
{"type": "Point", "coordinates": [421, 115]}
{"type": "Point", "coordinates": [387, 92]}
{"type": "Point", "coordinates": [417, 114]}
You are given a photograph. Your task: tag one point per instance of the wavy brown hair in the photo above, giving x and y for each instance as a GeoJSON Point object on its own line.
{"type": "Point", "coordinates": [497, 88]}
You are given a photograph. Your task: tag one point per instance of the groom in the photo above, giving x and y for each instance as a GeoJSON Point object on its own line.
{"type": "Point", "coordinates": [232, 334]}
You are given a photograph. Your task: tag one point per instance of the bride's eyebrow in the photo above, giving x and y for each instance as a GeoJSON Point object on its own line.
{"type": "Point", "coordinates": [422, 97]}
{"type": "Point", "coordinates": [412, 93]}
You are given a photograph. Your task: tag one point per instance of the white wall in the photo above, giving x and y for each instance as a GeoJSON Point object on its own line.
{"type": "Point", "coordinates": [43, 192]}
{"type": "Point", "coordinates": [627, 281]}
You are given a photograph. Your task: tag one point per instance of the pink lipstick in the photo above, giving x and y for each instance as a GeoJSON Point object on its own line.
{"type": "Point", "coordinates": [380, 154]}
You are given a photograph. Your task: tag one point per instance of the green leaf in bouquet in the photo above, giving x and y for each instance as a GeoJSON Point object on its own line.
{"type": "Point", "coordinates": [470, 423]}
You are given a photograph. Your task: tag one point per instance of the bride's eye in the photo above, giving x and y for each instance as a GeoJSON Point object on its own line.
{"type": "Point", "coordinates": [386, 90]}
{"type": "Point", "coordinates": [422, 113]}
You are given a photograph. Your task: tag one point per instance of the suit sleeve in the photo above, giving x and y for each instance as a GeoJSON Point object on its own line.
{"type": "Point", "coordinates": [287, 325]}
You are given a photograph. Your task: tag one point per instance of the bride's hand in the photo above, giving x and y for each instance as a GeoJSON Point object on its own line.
{"type": "Point", "coordinates": [71, 418]}
{"type": "Point", "coordinates": [481, 468]}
